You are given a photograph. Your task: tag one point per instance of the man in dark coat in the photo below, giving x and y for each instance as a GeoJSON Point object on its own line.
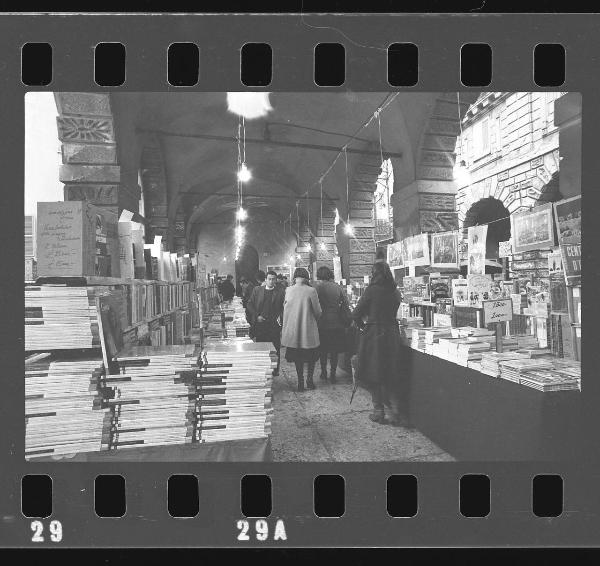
{"type": "Point", "coordinates": [228, 289]}
{"type": "Point", "coordinates": [378, 364]}
{"type": "Point", "coordinates": [265, 310]}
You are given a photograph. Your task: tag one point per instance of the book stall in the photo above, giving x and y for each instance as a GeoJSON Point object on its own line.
{"type": "Point", "coordinates": [126, 368]}
{"type": "Point", "coordinates": [492, 334]}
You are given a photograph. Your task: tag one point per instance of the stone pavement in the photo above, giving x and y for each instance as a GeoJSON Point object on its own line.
{"type": "Point", "coordinates": [322, 426]}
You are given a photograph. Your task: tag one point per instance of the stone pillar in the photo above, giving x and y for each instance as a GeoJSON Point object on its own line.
{"type": "Point", "coordinates": [325, 235]}
{"type": "Point", "coordinates": [427, 204]}
{"type": "Point", "coordinates": [90, 169]}
{"type": "Point", "coordinates": [361, 245]}
{"type": "Point", "coordinates": [305, 247]}
{"type": "Point", "coordinates": [155, 190]}
{"type": "Point", "coordinates": [567, 117]}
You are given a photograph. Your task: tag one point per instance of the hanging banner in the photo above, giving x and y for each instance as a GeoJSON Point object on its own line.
{"type": "Point", "coordinates": [418, 250]}
{"type": "Point", "coordinates": [394, 255]}
{"type": "Point", "coordinates": [533, 230]}
{"type": "Point", "coordinates": [477, 236]}
{"type": "Point", "coordinates": [444, 249]}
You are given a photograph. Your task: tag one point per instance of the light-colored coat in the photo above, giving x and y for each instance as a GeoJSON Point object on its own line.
{"type": "Point", "coordinates": [301, 310]}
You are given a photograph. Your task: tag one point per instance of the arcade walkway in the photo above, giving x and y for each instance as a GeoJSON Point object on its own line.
{"type": "Point", "coordinates": [321, 426]}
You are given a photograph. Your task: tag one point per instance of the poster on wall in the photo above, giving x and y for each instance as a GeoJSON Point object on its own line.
{"type": "Point", "coordinates": [477, 236]}
{"type": "Point", "coordinates": [439, 286]}
{"type": "Point", "coordinates": [533, 230]}
{"type": "Point", "coordinates": [460, 292]}
{"type": "Point", "coordinates": [571, 258]}
{"type": "Point", "coordinates": [418, 249]}
{"type": "Point", "coordinates": [555, 262]}
{"type": "Point", "coordinates": [415, 289]}
{"type": "Point", "coordinates": [444, 249]}
{"type": "Point", "coordinates": [505, 248]}
{"type": "Point", "coordinates": [479, 289]}
{"type": "Point", "coordinates": [567, 214]}
{"type": "Point", "coordinates": [394, 255]}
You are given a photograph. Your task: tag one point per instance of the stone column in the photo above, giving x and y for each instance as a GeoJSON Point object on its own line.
{"type": "Point", "coordinates": [305, 246]}
{"type": "Point", "coordinates": [361, 245]}
{"type": "Point", "coordinates": [90, 169]}
{"type": "Point", "coordinates": [155, 190]}
{"type": "Point", "coordinates": [325, 235]}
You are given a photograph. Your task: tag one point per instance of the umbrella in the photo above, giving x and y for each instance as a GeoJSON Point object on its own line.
{"type": "Point", "coordinates": [354, 381]}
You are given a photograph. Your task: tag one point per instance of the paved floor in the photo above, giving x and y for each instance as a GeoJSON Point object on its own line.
{"type": "Point", "coordinates": [322, 426]}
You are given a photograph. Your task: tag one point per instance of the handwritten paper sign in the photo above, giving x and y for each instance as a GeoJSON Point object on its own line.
{"type": "Point", "coordinates": [497, 311]}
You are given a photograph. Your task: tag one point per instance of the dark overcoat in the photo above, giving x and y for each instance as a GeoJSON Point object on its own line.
{"type": "Point", "coordinates": [379, 340]}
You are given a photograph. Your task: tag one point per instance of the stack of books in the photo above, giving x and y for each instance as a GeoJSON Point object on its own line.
{"type": "Point", "coordinates": [63, 407]}
{"type": "Point", "coordinates": [513, 369]}
{"type": "Point", "coordinates": [235, 319]}
{"type": "Point", "coordinates": [418, 339]}
{"type": "Point", "coordinates": [490, 361]}
{"type": "Point", "coordinates": [234, 391]}
{"type": "Point", "coordinates": [547, 380]}
{"type": "Point", "coordinates": [58, 317]}
{"type": "Point", "coordinates": [154, 395]}
{"type": "Point", "coordinates": [469, 351]}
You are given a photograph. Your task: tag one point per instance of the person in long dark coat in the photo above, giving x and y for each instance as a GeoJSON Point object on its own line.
{"type": "Point", "coordinates": [332, 323]}
{"type": "Point", "coordinates": [378, 366]}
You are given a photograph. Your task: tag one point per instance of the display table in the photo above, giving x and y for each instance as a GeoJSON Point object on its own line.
{"type": "Point", "coordinates": [253, 450]}
{"type": "Point", "coordinates": [476, 417]}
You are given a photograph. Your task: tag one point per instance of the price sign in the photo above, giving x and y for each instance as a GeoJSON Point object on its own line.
{"type": "Point", "coordinates": [497, 310]}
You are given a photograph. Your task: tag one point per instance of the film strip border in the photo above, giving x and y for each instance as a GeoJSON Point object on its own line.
{"type": "Point", "coordinates": [366, 520]}
{"type": "Point", "coordinates": [256, 64]}
{"type": "Point", "coordinates": [300, 509]}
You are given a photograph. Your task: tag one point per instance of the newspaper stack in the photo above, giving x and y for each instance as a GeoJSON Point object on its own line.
{"type": "Point", "coordinates": [63, 413]}
{"type": "Point", "coordinates": [154, 396]}
{"type": "Point", "coordinates": [513, 369]}
{"type": "Point", "coordinates": [535, 352]}
{"type": "Point", "coordinates": [234, 391]}
{"type": "Point", "coordinates": [432, 336]}
{"type": "Point", "coordinates": [58, 317]}
{"type": "Point", "coordinates": [490, 361]}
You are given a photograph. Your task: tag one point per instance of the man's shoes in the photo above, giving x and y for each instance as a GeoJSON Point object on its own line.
{"type": "Point", "coordinates": [323, 375]}
{"type": "Point", "coordinates": [310, 384]}
{"type": "Point", "coordinates": [378, 418]}
{"type": "Point", "coordinates": [332, 377]}
{"type": "Point", "coordinates": [275, 372]}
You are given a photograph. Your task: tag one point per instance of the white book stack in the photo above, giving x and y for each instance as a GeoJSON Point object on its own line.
{"type": "Point", "coordinates": [490, 361]}
{"type": "Point", "coordinates": [418, 339]}
{"type": "Point", "coordinates": [58, 317]}
{"type": "Point", "coordinates": [154, 396]}
{"type": "Point", "coordinates": [513, 369]}
{"type": "Point", "coordinates": [470, 351]}
{"type": "Point", "coordinates": [235, 319]}
{"type": "Point", "coordinates": [234, 393]}
{"type": "Point", "coordinates": [63, 413]}
{"type": "Point", "coordinates": [546, 380]}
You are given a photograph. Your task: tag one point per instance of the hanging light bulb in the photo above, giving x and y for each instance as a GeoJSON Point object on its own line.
{"type": "Point", "coordinates": [348, 229]}
{"type": "Point", "coordinates": [224, 259]}
{"type": "Point", "coordinates": [250, 105]}
{"type": "Point", "coordinates": [322, 246]}
{"type": "Point", "coordinates": [241, 214]}
{"type": "Point", "coordinates": [244, 174]}
{"type": "Point", "coordinates": [461, 174]}
{"type": "Point", "coordinates": [292, 258]}
{"type": "Point", "coordinates": [298, 257]}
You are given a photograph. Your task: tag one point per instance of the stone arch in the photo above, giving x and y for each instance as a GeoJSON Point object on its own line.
{"type": "Point", "coordinates": [492, 212]}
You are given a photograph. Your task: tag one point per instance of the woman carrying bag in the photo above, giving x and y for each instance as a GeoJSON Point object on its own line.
{"type": "Point", "coordinates": [334, 321]}
{"type": "Point", "coordinates": [300, 333]}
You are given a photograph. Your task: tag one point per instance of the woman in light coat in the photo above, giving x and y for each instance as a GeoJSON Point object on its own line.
{"type": "Point", "coordinates": [300, 333]}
